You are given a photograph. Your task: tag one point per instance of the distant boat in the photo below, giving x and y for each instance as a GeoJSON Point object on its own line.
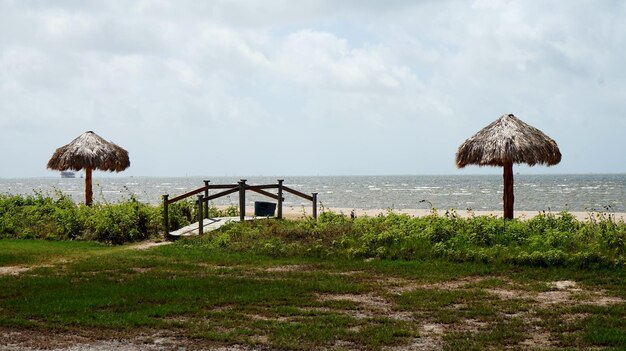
{"type": "Point", "coordinates": [67, 174]}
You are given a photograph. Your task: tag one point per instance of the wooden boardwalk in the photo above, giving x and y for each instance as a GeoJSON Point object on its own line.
{"type": "Point", "coordinates": [209, 224]}
{"type": "Point", "coordinates": [203, 198]}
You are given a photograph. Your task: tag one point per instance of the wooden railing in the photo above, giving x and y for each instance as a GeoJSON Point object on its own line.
{"type": "Point", "coordinates": [241, 187]}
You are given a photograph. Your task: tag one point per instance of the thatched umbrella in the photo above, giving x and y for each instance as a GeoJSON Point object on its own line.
{"type": "Point", "coordinates": [89, 151]}
{"type": "Point", "coordinates": [504, 142]}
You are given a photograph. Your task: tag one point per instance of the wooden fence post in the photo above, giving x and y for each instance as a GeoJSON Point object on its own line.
{"type": "Point", "coordinates": [280, 199]}
{"type": "Point", "coordinates": [166, 221]}
{"type": "Point", "coordinates": [200, 215]}
{"type": "Point", "coordinates": [206, 204]}
{"type": "Point", "coordinates": [242, 199]}
{"type": "Point", "coordinates": [314, 205]}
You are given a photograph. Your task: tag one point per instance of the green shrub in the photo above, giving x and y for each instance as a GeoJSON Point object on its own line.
{"type": "Point", "coordinates": [545, 240]}
{"type": "Point", "coordinates": [124, 222]}
{"type": "Point", "coordinates": [59, 218]}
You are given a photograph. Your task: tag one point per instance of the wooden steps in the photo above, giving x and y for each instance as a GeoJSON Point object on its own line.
{"type": "Point", "coordinates": [209, 224]}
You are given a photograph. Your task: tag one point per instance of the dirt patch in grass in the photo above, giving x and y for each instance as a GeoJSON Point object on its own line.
{"type": "Point", "coordinates": [400, 286]}
{"type": "Point", "coordinates": [507, 294]}
{"type": "Point", "coordinates": [565, 285]}
{"type": "Point", "coordinates": [431, 339]}
{"type": "Point", "coordinates": [369, 301]}
{"type": "Point", "coordinates": [258, 317]}
{"type": "Point", "coordinates": [424, 343]}
{"type": "Point", "coordinates": [563, 293]}
{"type": "Point", "coordinates": [286, 268]}
{"type": "Point", "coordinates": [473, 325]}
{"type": "Point", "coordinates": [26, 340]}
{"type": "Point", "coordinates": [350, 273]}
{"type": "Point", "coordinates": [433, 329]}
{"type": "Point", "coordinates": [371, 306]}
{"type": "Point", "coordinates": [13, 270]}
{"type": "Point", "coordinates": [539, 339]}
{"type": "Point", "coordinates": [147, 245]}
{"type": "Point", "coordinates": [85, 340]}
{"type": "Point", "coordinates": [17, 270]}
{"type": "Point", "coordinates": [455, 284]}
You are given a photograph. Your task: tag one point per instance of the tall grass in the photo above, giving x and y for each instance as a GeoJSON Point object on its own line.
{"type": "Point", "coordinates": [57, 217]}
{"type": "Point", "coordinates": [545, 240]}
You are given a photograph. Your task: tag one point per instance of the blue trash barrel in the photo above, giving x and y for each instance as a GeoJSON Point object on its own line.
{"type": "Point", "coordinates": [264, 209]}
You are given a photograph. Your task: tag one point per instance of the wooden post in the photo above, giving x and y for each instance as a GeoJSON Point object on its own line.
{"type": "Point", "coordinates": [88, 188]}
{"type": "Point", "coordinates": [242, 199]}
{"type": "Point", "coordinates": [508, 197]}
{"type": "Point", "coordinates": [314, 205]}
{"type": "Point", "coordinates": [280, 199]}
{"type": "Point", "coordinates": [200, 215]}
{"type": "Point", "coordinates": [166, 221]}
{"type": "Point", "coordinates": [206, 204]}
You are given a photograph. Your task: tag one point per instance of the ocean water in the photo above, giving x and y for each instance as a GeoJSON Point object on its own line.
{"type": "Point", "coordinates": [594, 192]}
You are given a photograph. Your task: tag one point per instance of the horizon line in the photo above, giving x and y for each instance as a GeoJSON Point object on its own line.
{"type": "Point", "coordinates": [110, 175]}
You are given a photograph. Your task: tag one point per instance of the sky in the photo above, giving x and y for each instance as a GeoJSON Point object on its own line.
{"type": "Point", "coordinates": [326, 87]}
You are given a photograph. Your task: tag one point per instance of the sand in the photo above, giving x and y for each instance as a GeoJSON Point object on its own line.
{"type": "Point", "coordinates": [298, 212]}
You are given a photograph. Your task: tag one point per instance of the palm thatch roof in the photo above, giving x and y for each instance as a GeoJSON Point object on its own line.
{"type": "Point", "coordinates": [508, 140]}
{"type": "Point", "coordinates": [89, 150]}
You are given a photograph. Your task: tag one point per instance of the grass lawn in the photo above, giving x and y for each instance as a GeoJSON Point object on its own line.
{"type": "Point", "coordinates": [57, 294]}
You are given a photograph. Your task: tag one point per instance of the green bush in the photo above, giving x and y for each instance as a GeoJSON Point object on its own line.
{"type": "Point", "coordinates": [545, 240]}
{"type": "Point", "coordinates": [120, 223]}
{"type": "Point", "coordinates": [59, 218]}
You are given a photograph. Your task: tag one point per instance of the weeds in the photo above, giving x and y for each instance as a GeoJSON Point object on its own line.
{"type": "Point", "coordinates": [59, 218]}
{"type": "Point", "coordinates": [545, 240]}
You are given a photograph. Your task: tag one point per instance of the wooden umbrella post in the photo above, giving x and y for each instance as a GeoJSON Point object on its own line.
{"type": "Point", "coordinates": [88, 188]}
{"type": "Point", "coordinates": [508, 196]}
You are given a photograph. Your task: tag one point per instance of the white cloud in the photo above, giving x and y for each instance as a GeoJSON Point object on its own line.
{"type": "Point", "coordinates": [361, 72]}
{"type": "Point", "coordinates": [323, 60]}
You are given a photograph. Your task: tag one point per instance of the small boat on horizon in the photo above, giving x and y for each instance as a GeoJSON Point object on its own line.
{"type": "Point", "coordinates": [68, 174]}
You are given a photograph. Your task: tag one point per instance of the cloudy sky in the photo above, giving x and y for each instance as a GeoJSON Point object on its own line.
{"type": "Point", "coordinates": [327, 87]}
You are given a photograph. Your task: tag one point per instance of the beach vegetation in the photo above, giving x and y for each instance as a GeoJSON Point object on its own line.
{"type": "Point", "coordinates": [545, 240]}
{"type": "Point", "coordinates": [58, 217]}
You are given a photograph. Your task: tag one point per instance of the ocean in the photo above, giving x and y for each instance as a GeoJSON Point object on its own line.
{"type": "Point", "coordinates": [575, 192]}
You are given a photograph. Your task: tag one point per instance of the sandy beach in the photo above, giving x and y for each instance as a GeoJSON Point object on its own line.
{"type": "Point", "coordinates": [295, 212]}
